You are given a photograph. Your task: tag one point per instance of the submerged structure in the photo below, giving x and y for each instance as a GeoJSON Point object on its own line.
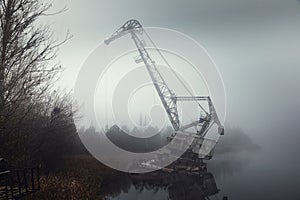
{"type": "Point", "coordinates": [197, 129]}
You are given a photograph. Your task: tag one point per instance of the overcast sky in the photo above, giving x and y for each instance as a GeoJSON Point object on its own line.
{"type": "Point", "coordinates": [255, 44]}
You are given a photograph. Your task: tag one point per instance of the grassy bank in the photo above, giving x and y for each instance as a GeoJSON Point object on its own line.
{"type": "Point", "coordinates": [79, 178]}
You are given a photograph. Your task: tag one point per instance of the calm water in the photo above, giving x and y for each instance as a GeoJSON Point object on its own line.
{"type": "Point", "coordinates": [252, 174]}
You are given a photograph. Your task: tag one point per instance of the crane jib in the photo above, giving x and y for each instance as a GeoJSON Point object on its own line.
{"type": "Point", "coordinates": [167, 97]}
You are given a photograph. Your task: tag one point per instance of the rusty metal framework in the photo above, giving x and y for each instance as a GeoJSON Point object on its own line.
{"type": "Point", "coordinates": [166, 95]}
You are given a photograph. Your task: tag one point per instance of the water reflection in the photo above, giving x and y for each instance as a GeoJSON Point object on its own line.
{"type": "Point", "coordinates": [227, 165]}
{"type": "Point", "coordinates": [189, 185]}
{"type": "Point", "coordinates": [234, 160]}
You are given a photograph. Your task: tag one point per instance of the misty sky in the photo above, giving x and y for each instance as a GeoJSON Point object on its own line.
{"type": "Point", "coordinates": [255, 44]}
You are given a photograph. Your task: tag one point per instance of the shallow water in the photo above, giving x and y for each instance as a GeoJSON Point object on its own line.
{"type": "Point", "coordinates": [252, 174]}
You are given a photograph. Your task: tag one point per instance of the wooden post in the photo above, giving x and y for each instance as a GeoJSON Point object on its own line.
{"type": "Point", "coordinates": [38, 178]}
{"type": "Point", "coordinates": [19, 182]}
{"type": "Point", "coordinates": [32, 179]}
{"type": "Point", "coordinates": [25, 180]}
{"type": "Point", "coordinates": [11, 184]}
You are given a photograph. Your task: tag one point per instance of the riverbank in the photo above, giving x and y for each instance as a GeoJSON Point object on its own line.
{"type": "Point", "coordinates": [80, 177]}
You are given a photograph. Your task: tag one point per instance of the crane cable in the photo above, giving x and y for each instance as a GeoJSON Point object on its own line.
{"type": "Point", "coordinates": [174, 72]}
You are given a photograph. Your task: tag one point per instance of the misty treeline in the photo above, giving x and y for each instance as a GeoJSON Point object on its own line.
{"type": "Point", "coordinates": [151, 138]}
{"type": "Point", "coordinates": [36, 121]}
{"type": "Point", "coordinates": [148, 139]}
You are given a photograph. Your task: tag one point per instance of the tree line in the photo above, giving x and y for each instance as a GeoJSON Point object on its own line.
{"type": "Point", "coordinates": [36, 121]}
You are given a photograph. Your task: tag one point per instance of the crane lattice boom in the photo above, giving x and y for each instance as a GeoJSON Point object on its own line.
{"type": "Point", "coordinates": [167, 97]}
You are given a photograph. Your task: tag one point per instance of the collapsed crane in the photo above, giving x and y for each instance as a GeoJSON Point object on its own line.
{"type": "Point", "coordinates": [166, 95]}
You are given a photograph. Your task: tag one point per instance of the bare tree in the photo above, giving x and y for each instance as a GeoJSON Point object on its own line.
{"type": "Point", "coordinates": [53, 129]}
{"type": "Point", "coordinates": [26, 49]}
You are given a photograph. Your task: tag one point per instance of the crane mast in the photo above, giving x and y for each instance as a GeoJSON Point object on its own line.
{"type": "Point", "coordinates": [166, 95]}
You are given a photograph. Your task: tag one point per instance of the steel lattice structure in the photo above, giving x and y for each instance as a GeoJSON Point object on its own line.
{"type": "Point", "coordinates": [167, 97]}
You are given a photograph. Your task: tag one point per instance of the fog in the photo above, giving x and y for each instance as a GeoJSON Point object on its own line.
{"type": "Point", "coordinates": [255, 45]}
